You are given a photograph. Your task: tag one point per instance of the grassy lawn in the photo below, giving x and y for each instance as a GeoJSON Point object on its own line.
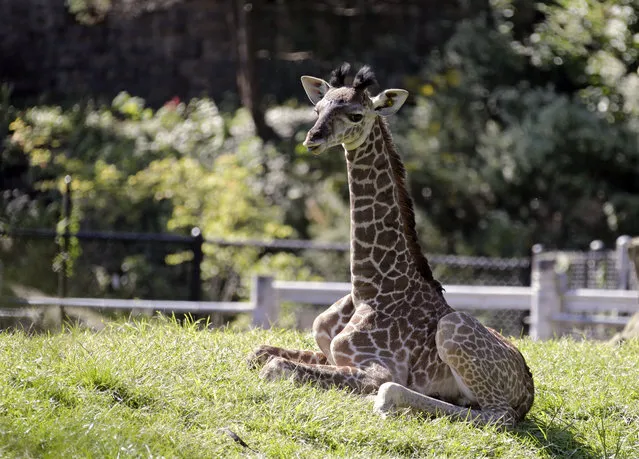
{"type": "Point", "coordinates": [160, 389]}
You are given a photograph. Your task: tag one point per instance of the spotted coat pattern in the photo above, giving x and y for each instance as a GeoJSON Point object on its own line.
{"type": "Point", "coordinates": [394, 334]}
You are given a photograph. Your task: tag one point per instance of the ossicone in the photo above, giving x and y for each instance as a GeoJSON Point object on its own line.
{"type": "Point", "coordinates": [338, 76]}
{"type": "Point", "coordinates": [364, 78]}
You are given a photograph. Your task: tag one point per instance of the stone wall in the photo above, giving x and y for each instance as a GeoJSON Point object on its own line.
{"type": "Point", "coordinates": [185, 47]}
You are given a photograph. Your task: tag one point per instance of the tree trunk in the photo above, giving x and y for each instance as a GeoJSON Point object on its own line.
{"type": "Point", "coordinates": [240, 24]}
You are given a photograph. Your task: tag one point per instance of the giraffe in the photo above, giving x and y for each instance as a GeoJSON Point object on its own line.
{"type": "Point", "coordinates": [394, 334]}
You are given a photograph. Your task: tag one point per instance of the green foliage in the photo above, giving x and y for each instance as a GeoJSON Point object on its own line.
{"type": "Point", "coordinates": [597, 45]}
{"type": "Point", "coordinates": [225, 203]}
{"type": "Point", "coordinates": [172, 169]}
{"type": "Point", "coordinates": [14, 204]}
{"type": "Point", "coordinates": [100, 147]}
{"type": "Point", "coordinates": [89, 12]}
{"type": "Point", "coordinates": [159, 389]}
{"type": "Point", "coordinates": [523, 128]}
{"type": "Point", "coordinates": [512, 159]}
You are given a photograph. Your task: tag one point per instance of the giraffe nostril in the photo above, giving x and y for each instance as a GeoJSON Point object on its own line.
{"type": "Point", "coordinates": [315, 136]}
{"type": "Point", "coordinates": [313, 139]}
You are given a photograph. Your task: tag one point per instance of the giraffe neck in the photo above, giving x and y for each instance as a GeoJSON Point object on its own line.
{"type": "Point", "coordinates": [385, 254]}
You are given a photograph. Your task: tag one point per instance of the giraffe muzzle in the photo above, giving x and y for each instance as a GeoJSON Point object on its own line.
{"type": "Point", "coordinates": [315, 146]}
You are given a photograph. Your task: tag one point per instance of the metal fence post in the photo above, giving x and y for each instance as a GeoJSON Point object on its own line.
{"type": "Point", "coordinates": [63, 277]}
{"type": "Point", "coordinates": [264, 299]}
{"type": "Point", "coordinates": [546, 298]}
{"type": "Point", "coordinates": [622, 262]}
{"type": "Point", "coordinates": [196, 267]}
{"type": "Point", "coordinates": [595, 265]}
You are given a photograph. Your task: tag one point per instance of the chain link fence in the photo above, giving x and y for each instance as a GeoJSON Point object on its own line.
{"type": "Point", "coordinates": [597, 268]}
{"type": "Point", "coordinates": [331, 261]}
{"type": "Point", "coordinates": [138, 265]}
{"type": "Point", "coordinates": [465, 270]}
{"type": "Point", "coordinates": [104, 265]}
{"type": "Point", "coordinates": [100, 265]}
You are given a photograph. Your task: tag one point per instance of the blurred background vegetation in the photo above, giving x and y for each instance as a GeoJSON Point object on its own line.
{"type": "Point", "coordinates": [522, 128]}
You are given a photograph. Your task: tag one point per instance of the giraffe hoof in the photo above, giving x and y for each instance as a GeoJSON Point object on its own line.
{"type": "Point", "coordinates": [259, 357]}
{"type": "Point", "coordinates": [386, 399]}
{"type": "Point", "coordinates": [277, 368]}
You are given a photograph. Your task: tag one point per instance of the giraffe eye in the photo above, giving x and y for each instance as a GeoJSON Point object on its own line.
{"type": "Point", "coordinates": [356, 117]}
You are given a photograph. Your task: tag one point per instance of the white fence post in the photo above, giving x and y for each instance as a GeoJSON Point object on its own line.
{"type": "Point", "coordinates": [623, 262]}
{"type": "Point", "coordinates": [545, 296]}
{"type": "Point", "coordinates": [265, 302]}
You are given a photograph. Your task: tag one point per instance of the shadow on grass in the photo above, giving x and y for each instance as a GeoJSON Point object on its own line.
{"type": "Point", "coordinates": [554, 439]}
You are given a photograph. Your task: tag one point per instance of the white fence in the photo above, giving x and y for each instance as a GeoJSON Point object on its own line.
{"type": "Point", "coordinates": [550, 306]}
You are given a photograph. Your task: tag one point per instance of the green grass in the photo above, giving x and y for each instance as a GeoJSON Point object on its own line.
{"type": "Point", "coordinates": [161, 389]}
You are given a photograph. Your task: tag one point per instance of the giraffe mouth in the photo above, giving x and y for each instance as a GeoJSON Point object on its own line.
{"type": "Point", "coordinates": [315, 149]}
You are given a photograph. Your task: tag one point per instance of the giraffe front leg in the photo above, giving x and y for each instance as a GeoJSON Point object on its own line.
{"type": "Point", "coordinates": [392, 396]}
{"type": "Point", "coordinates": [363, 380]}
{"type": "Point", "coordinates": [264, 353]}
{"type": "Point", "coordinates": [331, 322]}
{"type": "Point", "coordinates": [325, 327]}
{"type": "Point", "coordinates": [487, 368]}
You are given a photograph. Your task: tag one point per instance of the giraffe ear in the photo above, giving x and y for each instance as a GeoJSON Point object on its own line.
{"type": "Point", "coordinates": [315, 88]}
{"type": "Point", "coordinates": [389, 101]}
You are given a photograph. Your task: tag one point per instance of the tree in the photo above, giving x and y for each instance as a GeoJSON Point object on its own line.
{"type": "Point", "coordinates": [519, 152]}
{"type": "Point", "coordinates": [240, 18]}
{"type": "Point", "coordinates": [167, 170]}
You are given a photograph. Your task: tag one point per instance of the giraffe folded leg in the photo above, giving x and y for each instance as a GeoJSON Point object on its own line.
{"type": "Point", "coordinates": [487, 368]}
{"type": "Point", "coordinates": [325, 327]}
{"type": "Point", "coordinates": [489, 371]}
{"type": "Point", "coordinates": [392, 396]}
{"type": "Point", "coordinates": [331, 322]}
{"type": "Point", "coordinates": [264, 353]}
{"type": "Point", "coordinates": [362, 380]}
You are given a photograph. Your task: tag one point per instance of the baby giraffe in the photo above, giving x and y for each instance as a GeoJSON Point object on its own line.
{"type": "Point", "coordinates": [394, 333]}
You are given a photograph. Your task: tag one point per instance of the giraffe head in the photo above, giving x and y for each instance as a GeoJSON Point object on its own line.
{"type": "Point", "coordinates": [346, 113]}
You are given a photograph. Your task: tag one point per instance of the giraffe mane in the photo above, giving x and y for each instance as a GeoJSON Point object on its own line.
{"type": "Point", "coordinates": [406, 208]}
